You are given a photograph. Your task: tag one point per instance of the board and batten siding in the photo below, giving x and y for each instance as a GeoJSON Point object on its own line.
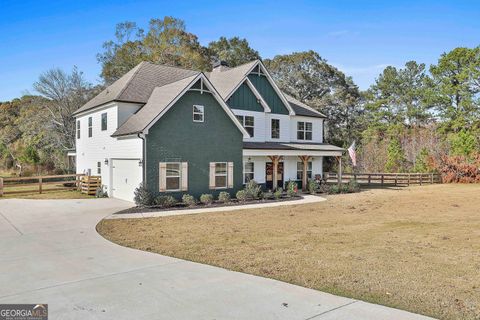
{"type": "Point", "coordinates": [176, 138]}
{"type": "Point", "coordinates": [268, 93]}
{"type": "Point", "coordinates": [101, 145]}
{"type": "Point", "coordinates": [243, 98]}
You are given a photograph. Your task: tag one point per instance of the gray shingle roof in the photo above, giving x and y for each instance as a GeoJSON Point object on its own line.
{"type": "Point", "coordinates": [160, 99]}
{"type": "Point", "coordinates": [301, 109]}
{"type": "Point", "coordinates": [137, 85]}
{"type": "Point", "coordinates": [226, 81]}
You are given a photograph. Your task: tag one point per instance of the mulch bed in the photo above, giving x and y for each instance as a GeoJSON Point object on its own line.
{"type": "Point", "coordinates": [181, 206]}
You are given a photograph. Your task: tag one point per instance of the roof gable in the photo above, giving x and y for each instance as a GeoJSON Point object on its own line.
{"type": "Point", "coordinates": [163, 98]}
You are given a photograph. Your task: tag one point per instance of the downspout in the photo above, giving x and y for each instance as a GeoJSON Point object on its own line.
{"type": "Point", "coordinates": [142, 136]}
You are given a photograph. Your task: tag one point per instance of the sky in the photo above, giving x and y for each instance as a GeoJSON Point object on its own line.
{"type": "Point", "coordinates": [359, 37]}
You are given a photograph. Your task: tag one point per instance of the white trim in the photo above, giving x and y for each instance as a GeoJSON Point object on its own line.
{"type": "Point", "coordinates": [202, 112]}
{"type": "Point", "coordinates": [101, 107]}
{"type": "Point", "coordinates": [274, 152]}
{"type": "Point", "coordinates": [270, 79]}
{"type": "Point", "coordinates": [215, 94]}
{"type": "Point", "coordinates": [258, 95]}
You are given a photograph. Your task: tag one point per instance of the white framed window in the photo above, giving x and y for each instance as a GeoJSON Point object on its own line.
{"type": "Point", "coordinates": [90, 127]}
{"type": "Point", "coordinates": [99, 167]}
{"type": "Point", "coordinates": [300, 170]}
{"type": "Point", "coordinates": [173, 176]}
{"type": "Point", "coordinates": [248, 122]}
{"type": "Point", "coordinates": [104, 121]}
{"type": "Point", "coordinates": [78, 129]}
{"type": "Point", "coordinates": [198, 113]}
{"type": "Point", "coordinates": [221, 175]}
{"type": "Point", "coordinates": [248, 171]}
{"type": "Point", "coordinates": [304, 130]}
{"type": "Point", "coordinates": [275, 128]}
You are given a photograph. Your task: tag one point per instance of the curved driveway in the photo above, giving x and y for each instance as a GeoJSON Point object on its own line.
{"type": "Point", "coordinates": [51, 253]}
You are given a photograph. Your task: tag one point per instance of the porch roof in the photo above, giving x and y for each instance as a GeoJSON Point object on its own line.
{"type": "Point", "coordinates": [290, 148]}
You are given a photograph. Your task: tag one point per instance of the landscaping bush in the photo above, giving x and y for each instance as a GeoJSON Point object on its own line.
{"type": "Point", "coordinates": [313, 186]}
{"type": "Point", "coordinates": [268, 195]}
{"type": "Point", "coordinates": [101, 193]}
{"type": "Point", "coordinates": [188, 200]}
{"type": "Point", "coordinates": [334, 189]}
{"type": "Point", "coordinates": [241, 195]}
{"type": "Point", "coordinates": [206, 199]}
{"type": "Point", "coordinates": [292, 189]}
{"type": "Point", "coordinates": [353, 186]}
{"type": "Point", "coordinates": [143, 197]}
{"type": "Point", "coordinates": [224, 197]}
{"type": "Point", "coordinates": [278, 193]}
{"type": "Point", "coordinates": [165, 201]}
{"type": "Point", "coordinates": [253, 190]}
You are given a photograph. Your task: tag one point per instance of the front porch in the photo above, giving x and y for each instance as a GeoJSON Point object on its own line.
{"type": "Point", "coordinates": [273, 164]}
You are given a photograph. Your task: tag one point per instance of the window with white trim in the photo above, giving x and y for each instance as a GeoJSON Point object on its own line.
{"type": "Point", "coordinates": [304, 130]}
{"type": "Point", "coordinates": [78, 129]}
{"type": "Point", "coordinates": [300, 170]}
{"type": "Point", "coordinates": [99, 167]}
{"type": "Point", "coordinates": [173, 176]}
{"type": "Point", "coordinates": [220, 175]}
{"type": "Point", "coordinates": [104, 121]}
{"type": "Point", "coordinates": [198, 113]}
{"type": "Point", "coordinates": [248, 122]}
{"type": "Point", "coordinates": [275, 128]}
{"type": "Point", "coordinates": [248, 171]}
{"type": "Point", "coordinates": [90, 127]}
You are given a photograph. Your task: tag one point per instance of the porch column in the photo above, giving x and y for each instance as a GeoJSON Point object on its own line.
{"type": "Point", "coordinates": [275, 160]}
{"type": "Point", "coordinates": [305, 168]}
{"type": "Point", "coordinates": [339, 159]}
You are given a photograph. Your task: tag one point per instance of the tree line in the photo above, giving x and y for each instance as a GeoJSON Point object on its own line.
{"type": "Point", "coordinates": [414, 118]}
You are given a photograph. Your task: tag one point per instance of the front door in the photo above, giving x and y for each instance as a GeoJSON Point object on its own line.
{"type": "Point", "coordinates": [269, 175]}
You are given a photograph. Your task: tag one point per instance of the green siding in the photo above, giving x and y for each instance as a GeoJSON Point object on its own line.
{"type": "Point", "coordinates": [264, 87]}
{"type": "Point", "coordinates": [244, 99]}
{"type": "Point", "coordinates": [176, 138]}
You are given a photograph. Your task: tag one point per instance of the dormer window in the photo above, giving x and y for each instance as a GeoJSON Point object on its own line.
{"type": "Point", "coordinates": [198, 113]}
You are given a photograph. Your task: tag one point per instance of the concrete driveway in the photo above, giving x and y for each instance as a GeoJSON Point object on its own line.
{"type": "Point", "coordinates": [51, 253]}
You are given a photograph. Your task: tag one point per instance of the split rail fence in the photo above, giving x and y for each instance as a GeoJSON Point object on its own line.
{"type": "Point", "coordinates": [42, 184]}
{"type": "Point", "coordinates": [387, 179]}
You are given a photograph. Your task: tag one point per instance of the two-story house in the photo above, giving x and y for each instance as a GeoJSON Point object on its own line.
{"type": "Point", "coordinates": [181, 131]}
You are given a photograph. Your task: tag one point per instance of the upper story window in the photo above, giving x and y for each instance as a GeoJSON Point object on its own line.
{"type": "Point", "coordinates": [248, 122]}
{"type": "Point", "coordinates": [78, 129]}
{"type": "Point", "coordinates": [198, 114]}
{"type": "Point", "coordinates": [90, 127]}
{"type": "Point", "coordinates": [304, 130]}
{"type": "Point", "coordinates": [104, 121]}
{"type": "Point", "coordinates": [275, 128]}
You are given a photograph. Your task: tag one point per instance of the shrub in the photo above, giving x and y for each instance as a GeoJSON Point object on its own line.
{"type": "Point", "coordinates": [188, 200]}
{"type": "Point", "coordinates": [278, 193]}
{"type": "Point", "coordinates": [206, 199]}
{"type": "Point", "coordinates": [241, 195]}
{"type": "Point", "coordinates": [353, 186]}
{"type": "Point", "coordinates": [312, 186]}
{"type": "Point", "coordinates": [253, 190]}
{"type": "Point", "coordinates": [224, 197]}
{"type": "Point", "coordinates": [101, 193]}
{"type": "Point", "coordinates": [142, 197]}
{"type": "Point", "coordinates": [165, 201]}
{"type": "Point", "coordinates": [292, 189]}
{"type": "Point", "coordinates": [268, 195]}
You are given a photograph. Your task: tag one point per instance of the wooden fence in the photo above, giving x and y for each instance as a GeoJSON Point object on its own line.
{"type": "Point", "coordinates": [39, 184]}
{"type": "Point", "coordinates": [385, 179]}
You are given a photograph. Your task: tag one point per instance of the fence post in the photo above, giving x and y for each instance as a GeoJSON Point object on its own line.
{"type": "Point", "coordinates": [382, 180]}
{"type": "Point", "coordinates": [396, 177]}
{"type": "Point", "coordinates": [421, 178]}
{"type": "Point", "coordinates": [431, 178]}
{"type": "Point", "coordinates": [408, 183]}
{"type": "Point", "coordinates": [369, 179]}
{"type": "Point", "coordinates": [1, 187]}
{"type": "Point", "coordinates": [40, 180]}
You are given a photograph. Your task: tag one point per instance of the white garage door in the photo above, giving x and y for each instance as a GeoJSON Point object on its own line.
{"type": "Point", "coordinates": [126, 176]}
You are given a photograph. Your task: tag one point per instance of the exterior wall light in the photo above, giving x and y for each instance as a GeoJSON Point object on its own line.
{"type": "Point", "coordinates": [106, 161]}
{"type": "Point", "coordinates": [140, 163]}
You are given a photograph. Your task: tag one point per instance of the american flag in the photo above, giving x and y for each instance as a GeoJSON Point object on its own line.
{"type": "Point", "coordinates": [353, 154]}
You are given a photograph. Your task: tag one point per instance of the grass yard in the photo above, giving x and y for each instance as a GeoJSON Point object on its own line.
{"type": "Point", "coordinates": [416, 249]}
